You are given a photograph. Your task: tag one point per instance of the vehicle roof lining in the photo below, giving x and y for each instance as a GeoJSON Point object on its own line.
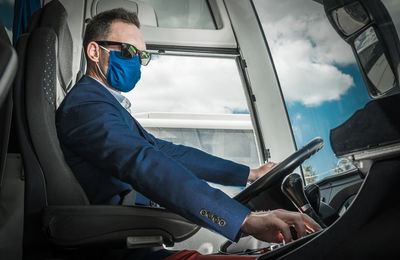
{"type": "Point", "coordinates": [223, 37]}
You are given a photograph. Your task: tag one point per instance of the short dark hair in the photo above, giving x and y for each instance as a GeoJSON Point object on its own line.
{"type": "Point", "coordinates": [99, 26]}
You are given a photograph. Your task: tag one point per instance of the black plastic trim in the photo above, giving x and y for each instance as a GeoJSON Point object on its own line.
{"type": "Point", "coordinates": [192, 49]}
{"type": "Point", "coordinates": [276, 76]}
{"type": "Point", "coordinates": [338, 177]}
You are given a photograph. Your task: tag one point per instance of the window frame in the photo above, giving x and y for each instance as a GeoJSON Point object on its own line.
{"type": "Point", "coordinates": [189, 51]}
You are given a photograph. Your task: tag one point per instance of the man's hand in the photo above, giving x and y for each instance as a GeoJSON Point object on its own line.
{"type": "Point", "coordinates": [261, 171]}
{"type": "Point", "coordinates": [273, 226]}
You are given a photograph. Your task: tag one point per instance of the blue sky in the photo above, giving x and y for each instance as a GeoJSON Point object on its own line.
{"type": "Point", "coordinates": [318, 120]}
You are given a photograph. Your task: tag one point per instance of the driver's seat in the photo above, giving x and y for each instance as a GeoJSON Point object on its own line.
{"type": "Point", "coordinates": [68, 219]}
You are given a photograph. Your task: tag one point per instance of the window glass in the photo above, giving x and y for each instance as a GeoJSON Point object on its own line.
{"type": "Point", "coordinates": [232, 144]}
{"type": "Point", "coordinates": [321, 83]}
{"type": "Point", "coordinates": [191, 85]}
{"type": "Point", "coordinates": [195, 100]}
{"type": "Point", "coordinates": [7, 15]}
{"type": "Point", "coordinates": [192, 14]}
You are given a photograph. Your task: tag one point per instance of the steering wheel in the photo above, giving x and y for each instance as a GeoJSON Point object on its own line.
{"type": "Point", "coordinates": [280, 171]}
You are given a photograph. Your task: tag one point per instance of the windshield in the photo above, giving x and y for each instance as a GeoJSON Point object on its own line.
{"type": "Point", "coordinates": [321, 83]}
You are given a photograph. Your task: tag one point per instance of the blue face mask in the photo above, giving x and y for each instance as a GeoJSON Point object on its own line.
{"type": "Point", "coordinates": [122, 74]}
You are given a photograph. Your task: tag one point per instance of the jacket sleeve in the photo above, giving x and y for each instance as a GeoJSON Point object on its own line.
{"type": "Point", "coordinates": [97, 133]}
{"type": "Point", "coordinates": [206, 166]}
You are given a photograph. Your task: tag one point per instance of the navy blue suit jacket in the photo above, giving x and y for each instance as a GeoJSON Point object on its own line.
{"type": "Point", "coordinates": [109, 152]}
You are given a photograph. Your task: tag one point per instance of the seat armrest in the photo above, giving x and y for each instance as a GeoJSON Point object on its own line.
{"type": "Point", "coordinates": [95, 225]}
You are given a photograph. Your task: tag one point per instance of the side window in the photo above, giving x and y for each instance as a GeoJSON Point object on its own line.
{"type": "Point", "coordinates": [199, 102]}
{"type": "Point", "coordinates": [7, 15]}
{"type": "Point", "coordinates": [321, 83]}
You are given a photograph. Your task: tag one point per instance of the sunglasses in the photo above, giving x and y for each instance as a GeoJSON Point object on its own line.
{"type": "Point", "coordinates": [129, 51]}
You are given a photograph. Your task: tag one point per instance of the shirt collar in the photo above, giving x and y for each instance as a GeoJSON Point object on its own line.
{"type": "Point", "coordinates": [125, 103]}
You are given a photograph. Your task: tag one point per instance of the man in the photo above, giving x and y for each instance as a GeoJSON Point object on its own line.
{"type": "Point", "coordinates": [111, 154]}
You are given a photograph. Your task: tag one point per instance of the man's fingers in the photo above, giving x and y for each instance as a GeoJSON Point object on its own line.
{"type": "Point", "coordinates": [300, 227]}
{"type": "Point", "coordinates": [294, 219]}
{"type": "Point", "coordinates": [278, 239]}
{"type": "Point", "coordinates": [309, 229]}
{"type": "Point", "coordinates": [270, 164]}
{"type": "Point", "coordinates": [310, 223]}
{"type": "Point", "coordinates": [285, 230]}
{"type": "Point", "coordinates": [275, 225]}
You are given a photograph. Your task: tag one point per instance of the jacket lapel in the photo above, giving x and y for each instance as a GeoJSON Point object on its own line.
{"type": "Point", "coordinates": [125, 113]}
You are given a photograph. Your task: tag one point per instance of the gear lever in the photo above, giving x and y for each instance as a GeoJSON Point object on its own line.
{"type": "Point", "coordinates": [314, 196]}
{"type": "Point", "coordinates": [292, 187]}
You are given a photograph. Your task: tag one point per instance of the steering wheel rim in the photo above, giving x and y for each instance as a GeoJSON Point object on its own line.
{"type": "Point", "coordinates": [284, 168]}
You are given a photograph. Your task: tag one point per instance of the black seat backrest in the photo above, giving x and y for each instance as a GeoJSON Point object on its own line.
{"type": "Point", "coordinates": [35, 187]}
{"type": "Point", "coordinates": [48, 66]}
{"type": "Point", "coordinates": [11, 185]}
{"type": "Point", "coordinates": [48, 180]}
{"type": "Point", "coordinates": [8, 68]}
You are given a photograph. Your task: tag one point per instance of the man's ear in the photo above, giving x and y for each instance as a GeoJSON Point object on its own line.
{"type": "Point", "coordinates": [93, 51]}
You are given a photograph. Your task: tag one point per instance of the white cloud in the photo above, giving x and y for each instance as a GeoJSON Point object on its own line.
{"type": "Point", "coordinates": [305, 78]}
{"type": "Point", "coordinates": [306, 51]}
{"type": "Point", "coordinates": [189, 84]}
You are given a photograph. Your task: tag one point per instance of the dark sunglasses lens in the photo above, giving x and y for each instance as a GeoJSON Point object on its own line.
{"type": "Point", "coordinates": [145, 58]}
{"type": "Point", "coordinates": [128, 51]}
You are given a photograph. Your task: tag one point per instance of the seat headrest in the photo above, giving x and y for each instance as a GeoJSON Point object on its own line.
{"type": "Point", "coordinates": [55, 17]}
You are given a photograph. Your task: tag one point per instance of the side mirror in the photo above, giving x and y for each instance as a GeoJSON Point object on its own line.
{"type": "Point", "coordinates": [372, 58]}
{"type": "Point", "coordinates": [350, 18]}
{"type": "Point", "coordinates": [360, 25]}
